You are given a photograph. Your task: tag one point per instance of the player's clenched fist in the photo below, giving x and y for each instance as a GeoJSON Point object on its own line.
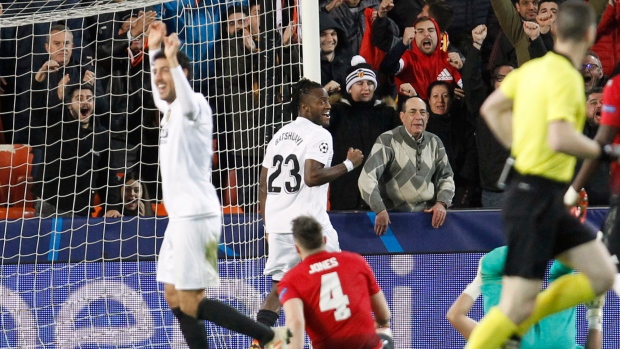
{"type": "Point", "coordinates": [355, 156]}
{"type": "Point", "coordinates": [157, 32]}
{"type": "Point", "coordinates": [172, 44]}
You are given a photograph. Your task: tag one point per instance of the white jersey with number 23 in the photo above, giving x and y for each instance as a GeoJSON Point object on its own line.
{"type": "Point", "coordinates": [288, 196]}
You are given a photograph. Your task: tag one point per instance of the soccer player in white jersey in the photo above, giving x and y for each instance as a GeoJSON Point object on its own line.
{"type": "Point", "coordinates": [294, 182]}
{"type": "Point", "coordinates": [188, 257]}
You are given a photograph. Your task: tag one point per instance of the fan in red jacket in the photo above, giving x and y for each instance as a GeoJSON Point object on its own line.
{"type": "Point", "coordinates": [421, 65]}
{"type": "Point", "coordinates": [607, 44]}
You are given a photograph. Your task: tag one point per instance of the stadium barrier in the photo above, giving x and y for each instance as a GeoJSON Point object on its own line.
{"type": "Point", "coordinates": [107, 296]}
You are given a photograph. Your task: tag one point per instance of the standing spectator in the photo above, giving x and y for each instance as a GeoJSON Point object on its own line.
{"type": "Point", "coordinates": [242, 84]}
{"type": "Point", "coordinates": [294, 181]}
{"type": "Point", "coordinates": [347, 321]}
{"type": "Point", "coordinates": [335, 54]}
{"type": "Point", "coordinates": [408, 170]}
{"type": "Point", "coordinates": [349, 14]}
{"type": "Point", "coordinates": [592, 72]}
{"type": "Point", "coordinates": [421, 65]}
{"type": "Point", "coordinates": [75, 158]}
{"type": "Point", "coordinates": [448, 120]}
{"type": "Point", "coordinates": [356, 121]}
{"type": "Point", "coordinates": [539, 32]}
{"type": "Point", "coordinates": [60, 69]}
{"type": "Point", "coordinates": [511, 45]}
{"type": "Point", "coordinates": [492, 154]}
{"type": "Point", "coordinates": [607, 44]}
{"type": "Point", "coordinates": [594, 100]}
{"type": "Point", "coordinates": [385, 36]}
{"type": "Point", "coordinates": [598, 186]}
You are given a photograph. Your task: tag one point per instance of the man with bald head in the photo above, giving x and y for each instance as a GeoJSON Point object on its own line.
{"type": "Point", "coordinates": [408, 170]}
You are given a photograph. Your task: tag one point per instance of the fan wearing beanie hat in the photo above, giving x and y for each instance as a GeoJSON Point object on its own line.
{"type": "Point", "coordinates": [356, 121]}
{"type": "Point", "coordinates": [360, 71]}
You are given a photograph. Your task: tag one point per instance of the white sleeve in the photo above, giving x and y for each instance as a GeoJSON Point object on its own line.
{"type": "Point", "coordinates": [474, 289]}
{"type": "Point", "coordinates": [190, 107]}
{"type": "Point", "coordinates": [159, 103]}
{"type": "Point", "coordinates": [321, 149]}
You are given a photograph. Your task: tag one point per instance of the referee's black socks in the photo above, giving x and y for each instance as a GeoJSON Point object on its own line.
{"type": "Point", "coordinates": [267, 317]}
{"type": "Point", "coordinates": [193, 330]}
{"type": "Point", "coordinates": [228, 317]}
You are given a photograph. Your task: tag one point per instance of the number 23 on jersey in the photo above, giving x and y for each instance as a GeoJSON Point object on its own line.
{"type": "Point", "coordinates": [286, 173]}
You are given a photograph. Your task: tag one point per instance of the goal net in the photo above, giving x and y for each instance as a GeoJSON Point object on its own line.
{"type": "Point", "coordinates": [71, 154]}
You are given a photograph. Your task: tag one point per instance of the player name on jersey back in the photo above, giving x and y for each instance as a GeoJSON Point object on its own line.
{"type": "Point", "coordinates": [323, 265]}
{"type": "Point", "coordinates": [289, 136]}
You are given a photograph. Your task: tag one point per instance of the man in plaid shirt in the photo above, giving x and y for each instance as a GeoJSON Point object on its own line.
{"type": "Point", "coordinates": [408, 170]}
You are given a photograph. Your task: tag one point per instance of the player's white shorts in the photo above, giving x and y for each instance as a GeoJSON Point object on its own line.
{"type": "Point", "coordinates": [283, 256]}
{"type": "Point", "coordinates": [188, 254]}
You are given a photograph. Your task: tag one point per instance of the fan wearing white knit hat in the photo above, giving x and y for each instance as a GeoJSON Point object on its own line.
{"type": "Point", "coordinates": [356, 121]}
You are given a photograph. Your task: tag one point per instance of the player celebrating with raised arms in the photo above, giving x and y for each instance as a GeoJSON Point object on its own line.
{"type": "Point", "coordinates": [331, 295]}
{"type": "Point", "coordinates": [187, 262]}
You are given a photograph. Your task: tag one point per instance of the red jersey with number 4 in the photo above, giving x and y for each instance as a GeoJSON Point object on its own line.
{"type": "Point", "coordinates": [610, 115]}
{"type": "Point", "coordinates": [335, 288]}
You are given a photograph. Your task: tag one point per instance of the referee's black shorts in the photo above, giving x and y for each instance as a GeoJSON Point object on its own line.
{"type": "Point", "coordinates": [611, 228]}
{"type": "Point", "coordinates": [538, 225]}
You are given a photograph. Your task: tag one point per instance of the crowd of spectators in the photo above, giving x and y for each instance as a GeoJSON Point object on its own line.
{"type": "Point", "coordinates": [406, 79]}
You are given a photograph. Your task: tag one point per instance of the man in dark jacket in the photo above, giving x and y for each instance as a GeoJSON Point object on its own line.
{"type": "Point", "coordinates": [349, 14]}
{"type": "Point", "coordinates": [356, 121]}
{"type": "Point", "coordinates": [491, 154]}
{"type": "Point", "coordinates": [75, 161]}
{"type": "Point", "coordinates": [335, 54]}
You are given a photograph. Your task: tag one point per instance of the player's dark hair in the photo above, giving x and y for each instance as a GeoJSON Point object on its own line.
{"type": "Point", "coordinates": [308, 232]}
{"type": "Point", "coordinates": [595, 89]}
{"type": "Point", "coordinates": [70, 90]}
{"type": "Point", "coordinates": [303, 86]}
{"type": "Point", "coordinates": [184, 61]}
{"type": "Point", "coordinates": [574, 20]}
{"type": "Point", "coordinates": [441, 12]}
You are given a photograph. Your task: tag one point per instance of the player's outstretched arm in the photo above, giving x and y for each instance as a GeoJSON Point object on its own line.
{"type": "Point", "coordinates": [315, 173]}
{"type": "Point", "coordinates": [294, 313]}
{"type": "Point", "coordinates": [457, 315]}
{"type": "Point", "coordinates": [157, 32]}
{"type": "Point", "coordinates": [562, 137]}
{"type": "Point", "coordinates": [190, 107]}
{"type": "Point", "coordinates": [381, 310]}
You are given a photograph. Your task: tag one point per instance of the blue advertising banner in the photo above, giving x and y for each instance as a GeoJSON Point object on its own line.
{"type": "Point", "coordinates": [107, 297]}
{"type": "Point", "coordinates": [119, 304]}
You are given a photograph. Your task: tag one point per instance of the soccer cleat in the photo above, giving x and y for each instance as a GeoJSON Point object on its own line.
{"type": "Point", "coordinates": [281, 338]}
{"type": "Point", "coordinates": [255, 344]}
